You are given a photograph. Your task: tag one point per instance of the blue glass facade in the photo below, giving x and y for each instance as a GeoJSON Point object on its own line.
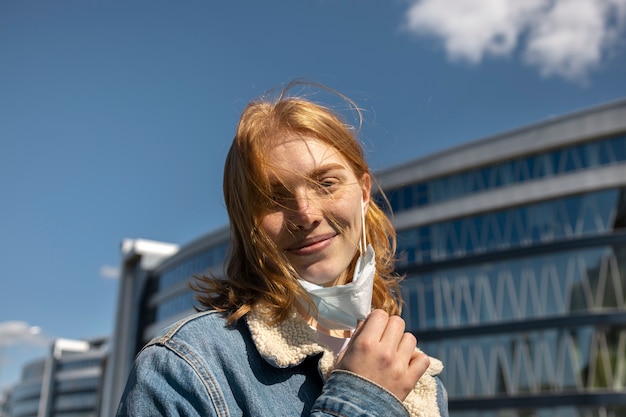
{"type": "Point", "coordinates": [195, 264]}
{"type": "Point", "coordinates": [533, 224]}
{"type": "Point", "coordinates": [67, 383]}
{"type": "Point", "coordinates": [181, 273]}
{"type": "Point", "coordinates": [76, 385]}
{"type": "Point", "coordinates": [525, 286]}
{"type": "Point", "coordinates": [24, 400]}
{"type": "Point", "coordinates": [538, 166]}
{"type": "Point", "coordinates": [525, 305]}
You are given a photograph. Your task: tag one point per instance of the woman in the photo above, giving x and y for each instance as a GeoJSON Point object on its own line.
{"type": "Point", "coordinates": [289, 331]}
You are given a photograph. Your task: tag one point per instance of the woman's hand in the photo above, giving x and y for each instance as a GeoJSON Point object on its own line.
{"type": "Point", "coordinates": [382, 352]}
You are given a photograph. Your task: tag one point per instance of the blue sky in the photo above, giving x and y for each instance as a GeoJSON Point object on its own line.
{"type": "Point", "coordinates": [115, 116]}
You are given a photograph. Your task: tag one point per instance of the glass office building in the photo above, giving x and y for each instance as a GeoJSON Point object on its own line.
{"type": "Point", "coordinates": [514, 254]}
{"type": "Point", "coordinates": [154, 292]}
{"type": "Point", "coordinates": [66, 383]}
{"type": "Point", "coordinates": [23, 400]}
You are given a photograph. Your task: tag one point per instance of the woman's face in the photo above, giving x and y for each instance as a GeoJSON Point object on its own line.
{"type": "Point", "coordinates": [315, 218]}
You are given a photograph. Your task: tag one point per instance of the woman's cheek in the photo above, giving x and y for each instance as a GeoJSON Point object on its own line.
{"type": "Point", "coordinates": [272, 224]}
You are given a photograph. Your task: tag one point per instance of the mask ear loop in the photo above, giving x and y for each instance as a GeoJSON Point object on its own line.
{"type": "Point", "coordinates": [363, 246]}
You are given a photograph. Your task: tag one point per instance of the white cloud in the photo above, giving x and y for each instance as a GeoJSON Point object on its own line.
{"type": "Point", "coordinates": [571, 37]}
{"type": "Point", "coordinates": [109, 272]}
{"type": "Point", "coordinates": [19, 343]}
{"type": "Point", "coordinates": [19, 332]}
{"type": "Point", "coordinates": [566, 38]}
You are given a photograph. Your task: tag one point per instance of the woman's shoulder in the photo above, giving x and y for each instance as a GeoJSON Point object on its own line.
{"type": "Point", "coordinates": [201, 319]}
{"type": "Point", "coordinates": [199, 330]}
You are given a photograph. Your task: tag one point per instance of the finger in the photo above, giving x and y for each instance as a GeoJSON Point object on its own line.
{"type": "Point", "coordinates": [375, 324]}
{"type": "Point", "coordinates": [407, 345]}
{"type": "Point", "coordinates": [419, 363]}
{"type": "Point", "coordinates": [394, 332]}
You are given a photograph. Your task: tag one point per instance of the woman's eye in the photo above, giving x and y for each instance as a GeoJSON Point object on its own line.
{"type": "Point", "coordinates": [327, 186]}
{"type": "Point", "coordinates": [326, 183]}
{"type": "Point", "coordinates": [279, 197]}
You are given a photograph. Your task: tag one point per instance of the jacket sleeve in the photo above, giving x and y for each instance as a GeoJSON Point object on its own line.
{"type": "Point", "coordinates": [347, 394]}
{"type": "Point", "coordinates": [162, 384]}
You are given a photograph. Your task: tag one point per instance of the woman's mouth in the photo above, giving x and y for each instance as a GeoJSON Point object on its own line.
{"type": "Point", "coordinates": [311, 245]}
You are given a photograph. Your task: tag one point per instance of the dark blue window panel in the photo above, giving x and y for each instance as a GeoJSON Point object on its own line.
{"type": "Point", "coordinates": [555, 162]}
{"type": "Point", "coordinates": [424, 233]}
{"type": "Point", "coordinates": [407, 197]}
{"type": "Point", "coordinates": [589, 155]}
{"type": "Point", "coordinates": [521, 172]}
{"type": "Point", "coordinates": [422, 194]}
{"type": "Point", "coordinates": [572, 160]}
{"type": "Point", "coordinates": [394, 201]}
{"type": "Point", "coordinates": [543, 222]}
{"type": "Point", "coordinates": [618, 145]}
{"type": "Point", "coordinates": [451, 235]}
{"type": "Point", "coordinates": [606, 153]}
{"type": "Point", "coordinates": [484, 175]}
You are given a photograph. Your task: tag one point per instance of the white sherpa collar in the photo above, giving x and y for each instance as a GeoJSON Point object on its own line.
{"type": "Point", "coordinates": [290, 342]}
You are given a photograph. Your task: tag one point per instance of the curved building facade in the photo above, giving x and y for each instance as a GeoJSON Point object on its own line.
{"type": "Point", "coordinates": [514, 254]}
{"type": "Point", "coordinates": [154, 292]}
{"type": "Point", "coordinates": [66, 383]}
{"type": "Point", "coordinates": [25, 395]}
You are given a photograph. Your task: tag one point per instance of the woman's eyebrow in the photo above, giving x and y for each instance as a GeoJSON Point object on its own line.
{"type": "Point", "coordinates": [324, 169]}
{"type": "Point", "coordinates": [276, 183]}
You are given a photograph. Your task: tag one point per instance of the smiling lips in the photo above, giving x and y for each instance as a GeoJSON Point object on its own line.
{"type": "Point", "coordinates": [311, 245]}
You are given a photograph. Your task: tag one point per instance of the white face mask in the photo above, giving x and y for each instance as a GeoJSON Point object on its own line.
{"type": "Point", "coordinates": [339, 307]}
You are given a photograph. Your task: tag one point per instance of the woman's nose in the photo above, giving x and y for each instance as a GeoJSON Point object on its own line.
{"type": "Point", "coordinates": [305, 211]}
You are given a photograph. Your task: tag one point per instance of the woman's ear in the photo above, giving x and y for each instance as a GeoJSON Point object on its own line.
{"type": "Point", "coordinates": [366, 187]}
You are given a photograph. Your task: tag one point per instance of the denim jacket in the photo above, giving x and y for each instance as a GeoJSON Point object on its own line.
{"type": "Point", "coordinates": [202, 367]}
